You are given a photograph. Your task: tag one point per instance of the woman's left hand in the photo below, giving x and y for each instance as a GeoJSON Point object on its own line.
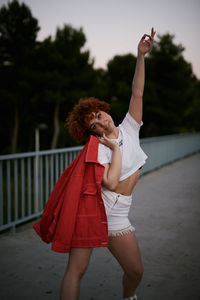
{"type": "Point", "coordinates": [145, 45]}
{"type": "Point", "coordinates": [108, 142]}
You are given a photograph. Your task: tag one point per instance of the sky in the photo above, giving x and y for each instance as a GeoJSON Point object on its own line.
{"type": "Point", "coordinates": [115, 27]}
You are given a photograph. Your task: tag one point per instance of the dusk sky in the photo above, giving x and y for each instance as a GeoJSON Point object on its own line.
{"type": "Point", "coordinates": [116, 26]}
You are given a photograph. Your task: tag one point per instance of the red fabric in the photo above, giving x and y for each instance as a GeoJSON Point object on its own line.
{"type": "Point", "coordinates": [74, 215]}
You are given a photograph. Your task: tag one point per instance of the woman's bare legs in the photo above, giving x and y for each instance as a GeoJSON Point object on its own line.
{"type": "Point", "coordinates": [78, 262]}
{"type": "Point", "coordinates": [125, 249]}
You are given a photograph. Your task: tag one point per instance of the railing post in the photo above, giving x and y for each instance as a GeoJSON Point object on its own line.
{"type": "Point", "coordinates": [13, 229]}
{"type": "Point", "coordinates": [37, 149]}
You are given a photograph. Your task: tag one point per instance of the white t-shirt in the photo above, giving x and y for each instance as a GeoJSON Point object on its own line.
{"type": "Point", "coordinates": [133, 157]}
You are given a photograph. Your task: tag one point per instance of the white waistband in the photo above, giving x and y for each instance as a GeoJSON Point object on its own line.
{"type": "Point", "coordinates": [116, 204]}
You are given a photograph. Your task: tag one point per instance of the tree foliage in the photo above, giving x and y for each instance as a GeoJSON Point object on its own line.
{"type": "Point", "coordinates": [169, 90]}
{"type": "Point", "coordinates": [120, 75]}
{"type": "Point", "coordinates": [65, 73]}
{"type": "Point", "coordinates": [18, 31]}
{"type": "Point", "coordinates": [41, 81]}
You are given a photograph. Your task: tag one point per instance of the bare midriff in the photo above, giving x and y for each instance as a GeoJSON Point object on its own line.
{"type": "Point", "coordinates": [126, 186]}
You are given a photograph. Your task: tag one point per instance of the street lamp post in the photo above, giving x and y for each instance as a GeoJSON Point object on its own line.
{"type": "Point", "coordinates": [41, 126]}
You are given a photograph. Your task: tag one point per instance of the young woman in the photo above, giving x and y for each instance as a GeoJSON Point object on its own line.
{"type": "Point", "coordinates": [120, 153]}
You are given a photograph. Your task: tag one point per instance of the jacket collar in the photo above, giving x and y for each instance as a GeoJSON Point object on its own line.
{"type": "Point", "coordinates": [92, 149]}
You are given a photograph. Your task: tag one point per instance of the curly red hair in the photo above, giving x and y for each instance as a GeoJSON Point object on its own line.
{"type": "Point", "coordinates": [78, 119]}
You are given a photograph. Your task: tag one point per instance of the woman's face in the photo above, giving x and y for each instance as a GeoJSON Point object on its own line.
{"type": "Point", "coordinates": [100, 123]}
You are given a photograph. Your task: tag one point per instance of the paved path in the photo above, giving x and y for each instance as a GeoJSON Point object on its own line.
{"type": "Point", "coordinates": [166, 214]}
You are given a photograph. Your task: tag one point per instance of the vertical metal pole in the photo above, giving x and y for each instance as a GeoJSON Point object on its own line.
{"type": "Point", "coordinates": [41, 184]}
{"type": "Point", "coordinates": [37, 149]}
{"type": "Point", "coordinates": [57, 166]}
{"type": "Point", "coordinates": [22, 189]}
{"type": "Point", "coordinates": [8, 193]}
{"type": "Point", "coordinates": [47, 176]}
{"type": "Point", "coordinates": [29, 186]}
{"type": "Point", "coordinates": [16, 188]}
{"type": "Point", "coordinates": [1, 193]}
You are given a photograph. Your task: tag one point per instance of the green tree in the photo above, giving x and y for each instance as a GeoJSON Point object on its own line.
{"type": "Point", "coordinates": [192, 113]}
{"type": "Point", "coordinates": [119, 80]}
{"type": "Point", "coordinates": [171, 94]}
{"type": "Point", "coordinates": [169, 89]}
{"type": "Point", "coordinates": [18, 31]}
{"type": "Point", "coordinates": [65, 74]}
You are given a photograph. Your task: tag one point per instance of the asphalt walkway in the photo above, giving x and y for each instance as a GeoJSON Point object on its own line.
{"type": "Point", "coordinates": [166, 214]}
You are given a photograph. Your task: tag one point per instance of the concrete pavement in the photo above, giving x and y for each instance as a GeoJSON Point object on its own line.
{"type": "Point", "coordinates": [166, 215]}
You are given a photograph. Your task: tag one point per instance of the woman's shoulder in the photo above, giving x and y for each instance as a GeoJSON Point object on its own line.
{"type": "Point", "coordinates": [104, 154]}
{"type": "Point", "coordinates": [103, 148]}
{"type": "Point", "coordinates": [130, 125]}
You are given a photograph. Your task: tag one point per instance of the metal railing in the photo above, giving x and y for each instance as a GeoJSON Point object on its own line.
{"type": "Point", "coordinates": [27, 179]}
{"type": "Point", "coordinates": [166, 149]}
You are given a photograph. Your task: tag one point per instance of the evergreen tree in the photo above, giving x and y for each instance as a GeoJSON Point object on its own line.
{"type": "Point", "coordinates": [18, 31]}
{"type": "Point", "coordinates": [169, 89]}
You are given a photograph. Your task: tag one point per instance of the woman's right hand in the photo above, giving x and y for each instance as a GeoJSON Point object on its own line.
{"type": "Point", "coordinates": [108, 142]}
{"type": "Point", "coordinates": [145, 45]}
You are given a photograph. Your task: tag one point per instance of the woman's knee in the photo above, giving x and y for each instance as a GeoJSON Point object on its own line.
{"type": "Point", "coordinates": [80, 271]}
{"type": "Point", "coordinates": [77, 270]}
{"type": "Point", "coordinates": [78, 263]}
{"type": "Point", "coordinates": [135, 273]}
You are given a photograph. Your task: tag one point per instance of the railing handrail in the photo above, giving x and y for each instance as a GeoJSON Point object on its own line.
{"type": "Point", "coordinates": [77, 148]}
{"type": "Point", "coordinates": [39, 153]}
{"type": "Point", "coordinates": [167, 137]}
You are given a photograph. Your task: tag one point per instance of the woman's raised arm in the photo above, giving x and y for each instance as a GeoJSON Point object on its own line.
{"type": "Point", "coordinates": [135, 106]}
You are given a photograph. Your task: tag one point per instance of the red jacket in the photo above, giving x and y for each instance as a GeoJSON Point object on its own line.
{"type": "Point", "coordinates": [74, 215]}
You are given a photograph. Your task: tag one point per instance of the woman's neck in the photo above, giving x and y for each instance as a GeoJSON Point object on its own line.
{"type": "Point", "coordinates": [114, 134]}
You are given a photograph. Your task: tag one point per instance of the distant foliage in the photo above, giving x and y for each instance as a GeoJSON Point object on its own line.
{"type": "Point", "coordinates": [170, 90]}
{"type": "Point", "coordinates": [18, 46]}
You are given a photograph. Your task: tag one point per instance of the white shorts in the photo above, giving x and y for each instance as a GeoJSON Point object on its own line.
{"type": "Point", "coordinates": [117, 208]}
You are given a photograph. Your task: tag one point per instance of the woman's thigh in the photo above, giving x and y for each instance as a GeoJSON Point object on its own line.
{"type": "Point", "coordinates": [79, 259]}
{"type": "Point", "coordinates": [126, 250]}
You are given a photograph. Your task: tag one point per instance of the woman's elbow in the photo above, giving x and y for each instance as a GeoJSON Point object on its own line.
{"type": "Point", "coordinates": [112, 185]}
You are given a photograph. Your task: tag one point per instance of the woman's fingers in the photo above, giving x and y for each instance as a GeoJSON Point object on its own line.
{"type": "Point", "coordinates": [104, 136]}
{"type": "Point", "coordinates": [103, 139]}
{"type": "Point", "coordinates": [152, 32]}
{"type": "Point", "coordinates": [107, 142]}
{"type": "Point", "coordinates": [147, 36]}
{"type": "Point", "coordinates": [146, 42]}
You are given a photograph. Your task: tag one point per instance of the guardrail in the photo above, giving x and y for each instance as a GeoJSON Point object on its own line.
{"type": "Point", "coordinates": [163, 150]}
{"type": "Point", "coordinates": [27, 179]}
